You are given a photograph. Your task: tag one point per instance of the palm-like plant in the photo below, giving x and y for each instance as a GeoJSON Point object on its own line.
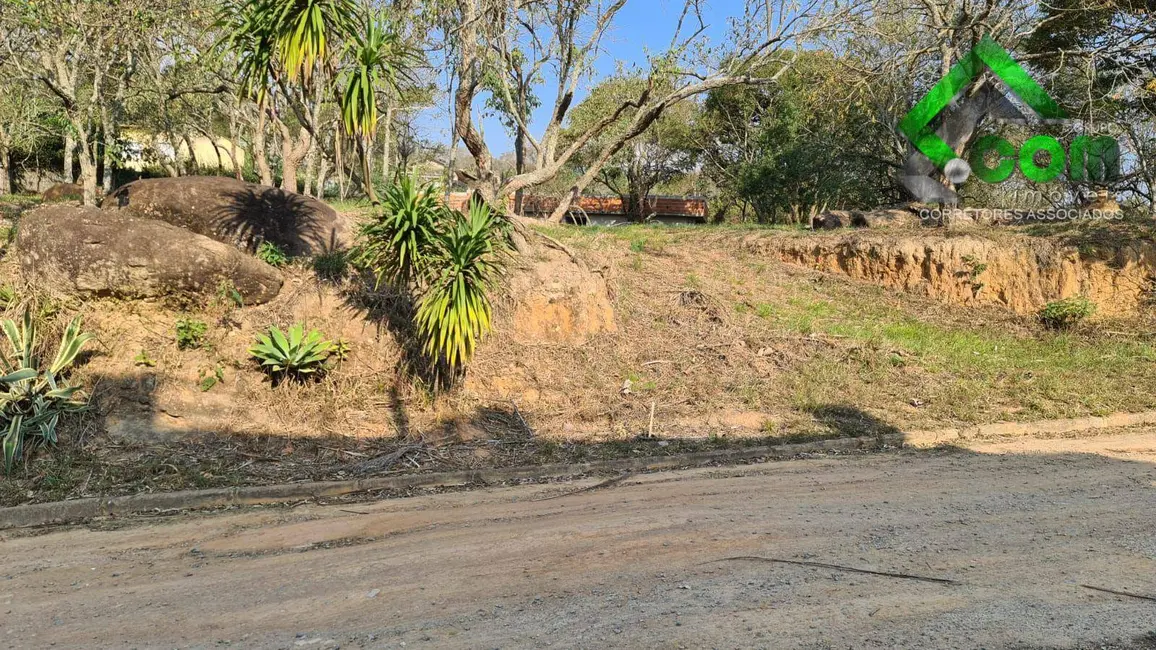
{"type": "Point", "coordinates": [375, 53]}
{"type": "Point", "coordinates": [454, 311]}
{"type": "Point", "coordinates": [395, 243]}
{"type": "Point", "coordinates": [286, 41]}
{"type": "Point", "coordinates": [33, 399]}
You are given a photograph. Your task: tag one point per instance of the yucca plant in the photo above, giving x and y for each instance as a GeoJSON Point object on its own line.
{"type": "Point", "coordinates": [454, 311]}
{"type": "Point", "coordinates": [396, 242]}
{"type": "Point", "coordinates": [295, 355]}
{"type": "Point", "coordinates": [32, 399]}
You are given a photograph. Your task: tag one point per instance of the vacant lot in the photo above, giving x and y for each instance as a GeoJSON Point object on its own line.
{"type": "Point", "coordinates": [714, 344]}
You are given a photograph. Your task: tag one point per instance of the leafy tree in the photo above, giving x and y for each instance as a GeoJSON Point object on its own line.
{"type": "Point", "coordinates": [802, 145]}
{"type": "Point", "coordinates": [662, 153]}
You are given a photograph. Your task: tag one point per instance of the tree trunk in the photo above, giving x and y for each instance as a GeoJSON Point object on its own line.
{"type": "Point", "coordinates": [386, 159]}
{"type": "Point", "coordinates": [340, 163]}
{"type": "Point", "coordinates": [292, 153]}
{"type": "Point", "coordinates": [5, 168]}
{"type": "Point", "coordinates": [366, 170]}
{"type": "Point", "coordinates": [109, 133]}
{"type": "Point", "coordinates": [88, 179]}
{"type": "Point", "coordinates": [310, 169]}
{"type": "Point", "coordinates": [322, 172]}
{"type": "Point", "coordinates": [260, 150]}
{"type": "Point", "coordinates": [519, 168]}
{"type": "Point", "coordinates": [69, 152]}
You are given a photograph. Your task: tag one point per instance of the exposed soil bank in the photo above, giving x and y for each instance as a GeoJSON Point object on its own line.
{"type": "Point", "coordinates": [1017, 272]}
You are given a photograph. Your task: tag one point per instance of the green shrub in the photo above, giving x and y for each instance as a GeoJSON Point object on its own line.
{"type": "Point", "coordinates": [33, 398]}
{"type": "Point", "coordinates": [638, 245]}
{"type": "Point", "coordinates": [332, 266]}
{"type": "Point", "coordinates": [1066, 313]}
{"type": "Point", "coordinates": [453, 312]}
{"type": "Point", "coordinates": [190, 333]}
{"type": "Point", "coordinates": [271, 254]}
{"type": "Point", "coordinates": [293, 356]}
{"type": "Point", "coordinates": [395, 242]}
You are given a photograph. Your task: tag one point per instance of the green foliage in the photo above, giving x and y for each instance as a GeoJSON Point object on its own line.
{"type": "Point", "coordinates": [331, 266]}
{"type": "Point", "coordinates": [284, 38]}
{"type": "Point", "coordinates": [1066, 313]}
{"type": "Point", "coordinates": [210, 379]}
{"type": "Point", "coordinates": [227, 295]}
{"type": "Point", "coordinates": [376, 53]}
{"type": "Point", "coordinates": [190, 333]}
{"type": "Point", "coordinates": [454, 310]}
{"type": "Point", "coordinates": [33, 398]}
{"type": "Point", "coordinates": [806, 142]}
{"type": "Point", "coordinates": [271, 254]}
{"type": "Point", "coordinates": [143, 359]}
{"type": "Point", "coordinates": [396, 242]}
{"type": "Point", "coordinates": [638, 245]}
{"type": "Point", "coordinates": [341, 350]}
{"type": "Point", "coordinates": [294, 355]}
{"type": "Point", "coordinates": [7, 296]}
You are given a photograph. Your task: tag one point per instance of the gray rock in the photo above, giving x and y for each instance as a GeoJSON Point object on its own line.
{"type": "Point", "coordinates": [235, 212]}
{"type": "Point", "coordinates": [93, 253]}
{"type": "Point", "coordinates": [63, 192]}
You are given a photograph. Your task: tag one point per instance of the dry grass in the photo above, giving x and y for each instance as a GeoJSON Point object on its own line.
{"type": "Point", "coordinates": [724, 347]}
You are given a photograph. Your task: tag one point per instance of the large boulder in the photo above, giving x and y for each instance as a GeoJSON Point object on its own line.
{"type": "Point", "coordinates": [235, 212]}
{"type": "Point", "coordinates": [94, 253]}
{"type": "Point", "coordinates": [63, 192]}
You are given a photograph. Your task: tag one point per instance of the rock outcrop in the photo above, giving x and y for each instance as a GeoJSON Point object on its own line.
{"type": "Point", "coordinates": [63, 192]}
{"type": "Point", "coordinates": [90, 252]}
{"type": "Point", "coordinates": [235, 212]}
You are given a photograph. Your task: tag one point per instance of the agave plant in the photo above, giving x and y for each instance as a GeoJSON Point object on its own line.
{"type": "Point", "coordinates": [32, 399]}
{"type": "Point", "coordinates": [395, 244]}
{"type": "Point", "coordinates": [294, 355]}
{"type": "Point", "coordinates": [454, 311]}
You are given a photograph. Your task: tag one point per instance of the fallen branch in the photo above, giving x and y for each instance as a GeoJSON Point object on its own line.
{"type": "Point", "coordinates": [1120, 593]}
{"type": "Point", "coordinates": [599, 486]}
{"type": "Point", "coordinates": [838, 567]}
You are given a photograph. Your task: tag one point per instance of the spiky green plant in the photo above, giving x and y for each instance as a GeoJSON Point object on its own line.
{"type": "Point", "coordinates": [32, 399]}
{"type": "Point", "coordinates": [454, 311]}
{"type": "Point", "coordinates": [394, 244]}
{"type": "Point", "coordinates": [286, 38]}
{"type": "Point", "coordinates": [294, 355]}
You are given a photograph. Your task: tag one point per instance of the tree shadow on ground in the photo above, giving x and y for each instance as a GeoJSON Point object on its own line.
{"type": "Point", "coordinates": [847, 421]}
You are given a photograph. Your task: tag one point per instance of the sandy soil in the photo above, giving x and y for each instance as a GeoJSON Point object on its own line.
{"type": "Point", "coordinates": [1018, 525]}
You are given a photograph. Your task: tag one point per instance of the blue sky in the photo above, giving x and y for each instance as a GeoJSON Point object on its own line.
{"type": "Point", "coordinates": [641, 26]}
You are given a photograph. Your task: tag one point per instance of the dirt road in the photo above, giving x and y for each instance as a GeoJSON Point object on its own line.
{"type": "Point", "coordinates": [1018, 526]}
